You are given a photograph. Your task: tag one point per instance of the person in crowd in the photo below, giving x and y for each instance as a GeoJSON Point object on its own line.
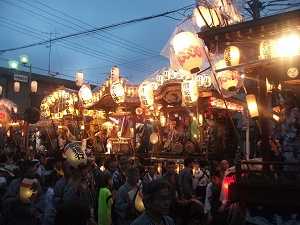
{"type": "Point", "coordinates": [124, 205]}
{"type": "Point", "coordinates": [186, 178]}
{"type": "Point", "coordinates": [110, 165]}
{"type": "Point", "coordinates": [59, 187]}
{"type": "Point", "coordinates": [156, 199]}
{"type": "Point", "coordinates": [287, 134]}
{"type": "Point", "coordinates": [57, 170]}
{"type": "Point", "coordinates": [105, 201]}
{"type": "Point", "coordinates": [178, 203]}
{"type": "Point", "coordinates": [224, 167]}
{"type": "Point", "coordinates": [151, 174]}
{"type": "Point", "coordinates": [135, 161]}
{"type": "Point", "coordinates": [17, 212]}
{"type": "Point", "coordinates": [50, 210]}
{"type": "Point", "coordinates": [42, 163]}
{"type": "Point", "coordinates": [74, 213]}
{"type": "Point", "coordinates": [16, 159]}
{"type": "Point", "coordinates": [81, 188]}
{"type": "Point", "coordinates": [202, 179]}
{"type": "Point", "coordinates": [172, 136]}
{"type": "Point", "coordinates": [119, 176]}
{"type": "Point", "coordinates": [97, 172]}
{"type": "Point", "coordinates": [7, 172]}
{"type": "Point", "coordinates": [214, 207]}
{"type": "Point", "coordinates": [4, 160]}
{"type": "Point", "coordinates": [142, 145]}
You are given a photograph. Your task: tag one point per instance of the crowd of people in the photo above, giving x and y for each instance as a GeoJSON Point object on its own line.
{"type": "Point", "coordinates": [93, 195]}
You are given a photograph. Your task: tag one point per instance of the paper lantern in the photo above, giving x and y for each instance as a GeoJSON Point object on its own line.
{"type": "Point", "coordinates": [232, 56]}
{"type": "Point", "coordinates": [200, 80]}
{"type": "Point", "coordinates": [154, 138]}
{"type": "Point", "coordinates": [252, 105]}
{"type": "Point", "coordinates": [114, 74]}
{"type": "Point", "coordinates": [16, 86]}
{"type": "Point", "coordinates": [28, 190]}
{"type": "Point", "coordinates": [85, 95]}
{"type": "Point", "coordinates": [187, 50]}
{"type": "Point", "coordinates": [288, 46]}
{"type": "Point", "coordinates": [117, 93]}
{"type": "Point", "coordinates": [267, 49]}
{"type": "Point", "coordinates": [189, 92]}
{"type": "Point", "coordinates": [34, 86]}
{"type": "Point", "coordinates": [1, 90]}
{"type": "Point", "coordinates": [74, 154]}
{"type": "Point", "coordinates": [79, 79]}
{"type": "Point", "coordinates": [207, 16]}
{"type": "Point", "coordinates": [138, 203]}
{"type": "Point", "coordinates": [146, 95]}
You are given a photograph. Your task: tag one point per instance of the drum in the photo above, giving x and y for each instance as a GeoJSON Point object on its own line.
{"type": "Point", "coordinates": [189, 147]}
{"type": "Point", "coordinates": [154, 138]}
{"type": "Point", "coordinates": [177, 147]}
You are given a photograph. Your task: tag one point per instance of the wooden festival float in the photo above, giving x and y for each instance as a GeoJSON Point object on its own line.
{"type": "Point", "coordinates": [268, 54]}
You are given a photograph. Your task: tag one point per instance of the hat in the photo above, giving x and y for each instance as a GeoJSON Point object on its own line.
{"type": "Point", "coordinates": [36, 162]}
{"type": "Point", "coordinates": [123, 159]}
{"type": "Point", "coordinates": [9, 169]}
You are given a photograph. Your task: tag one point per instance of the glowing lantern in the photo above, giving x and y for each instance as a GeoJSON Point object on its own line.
{"type": "Point", "coordinates": [207, 81]}
{"type": "Point", "coordinates": [28, 190]}
{"type": "Point", "coordinates": [288, 46]}
{"type": "Point", "coordinates": [16, 86]}
{"type": "Point", "coordinates": [114, 74]}
{"type": "Point", "coordinates": [232, 56]}
{"type": "Point", "coordinates": [208, 16]}
{"type": "Point", "coordinates": [159, 79]}
{"type": "Point", "coordinates": [117, 92]}
{"type": "Point", "coordinates": [162, 120]}
{"type": "Point", "coordinates": [189, 92]}
{"type": "Point", "coordinates": [85, 95]}
{"type": "Point", "coordinates": [227, 79]}
{"type": "Point", "coordinates": [199, 80]}
{"type": "Point", "coordinates": [1, 90]}
{"type": "Point", "coordinates": [146, 95]}
{"type": "Point", "coordinates": [79, 79]}
{"type": "Point", "coordinates": [267, 49]}
{"type": "Point", "coordinates": [34, 86]}
{"type": "Point", "coordinates": [226, 182]}
{"type": "Point", "coordinates": [75, 155]}
{"type": "Point", "coordinates": [252, 105]}
{"type": "Point", "coordinates": [187, 50]}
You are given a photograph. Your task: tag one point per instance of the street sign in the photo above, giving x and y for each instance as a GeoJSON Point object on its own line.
{"type": "Point", "coordinates": [21, 78]}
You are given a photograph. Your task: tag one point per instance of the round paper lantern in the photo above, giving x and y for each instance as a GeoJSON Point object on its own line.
{"type": "Point", "coordinates": [229, 80]}
{"type": "Point", "coordinates": [154, 138]}
{"type": "Point", "coordinates": [189, 92]}
{"type": "Point", "coordinates": [187, 50]}
{"type": "Point", "coordinates": [138, 203]}
{"type": "Point", "coordinates": [114, 74]}
{"type": "Point", "coordinates": [34, 86]}
{"type": "Point", "coordinates": [74, 154]}
{"type": "Point", "coordinates": [117, 93]}
{"type": "Point", "coordinates": [28, 190]}
{"type": "Point", "coordinates": [16, 86]}
{"type": "Point", "coordinates": [86, 95]}
{"type": "Point", "coordinates": [146, 95]}
{"type": "Point", "coordinates": [232, 56]}
{"type": "Point", "coordinates": [267, 49]}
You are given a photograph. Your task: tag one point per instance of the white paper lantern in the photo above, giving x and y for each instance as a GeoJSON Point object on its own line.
{"type": "Point", "coordinates": [74, 154]}
{"type": "Point", "coordinates": [154, 138]}
{"type": "Point", "coordinates": [1, 88]}
{"type": "Point", "coordinates": [16, 86]}
{"type": "Point", "coordinates": [187, 50]}
{"type": "Point", "coordinates": [210, 17]}
{"type": "Point", "coordinates": [79, 79]}
{"type": "Point", "coordinates": [146, 95]}
{"type": "Point", "coordinates": [86, 95]}
{"type": "Point", "coordinates": [232, 56]}
{"type": "Point", "coordinates": [28, 190]}
{"type": "Point", "coordinates": [267, 49]}
{"type": "Point", "coordinates": [34, 86]}
{"type": "Point", "coordinates": [117, 93]}
{"type": "Point", "coordinates": [114, 74]}
{"type": "Point", "coordinates": [138, 203]}
{"type": "Point", "coordinates": [189, 92]}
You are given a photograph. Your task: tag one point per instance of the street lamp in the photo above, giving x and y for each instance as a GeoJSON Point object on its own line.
{"type": "Point", "coordinates": [13, 64]}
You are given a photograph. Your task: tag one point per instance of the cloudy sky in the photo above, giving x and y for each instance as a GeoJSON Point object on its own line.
{"type": "Point", "coordinates": [93, 35]}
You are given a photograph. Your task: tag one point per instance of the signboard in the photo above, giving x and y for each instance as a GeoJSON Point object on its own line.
{"type": "Point", "coordinates": [21, 78]}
